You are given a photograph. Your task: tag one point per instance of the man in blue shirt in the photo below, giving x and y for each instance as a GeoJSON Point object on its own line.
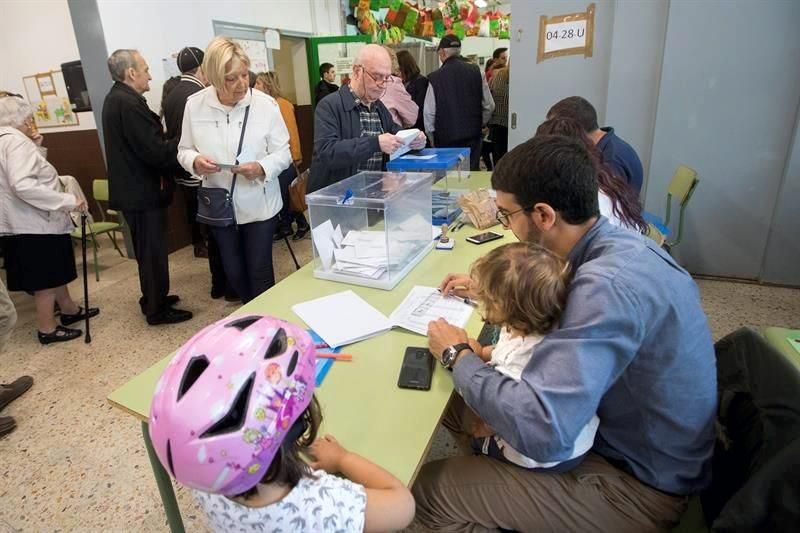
{"type": "Point", "coordinates": [633, 346]}
{"type": "Point", "coordinates": [616, 152]}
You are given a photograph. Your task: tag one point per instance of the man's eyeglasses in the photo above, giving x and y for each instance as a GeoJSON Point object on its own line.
{"type": "Point", "coordinates": [379, 80]}
{"type": "Point", "coordinates": [505, 218]}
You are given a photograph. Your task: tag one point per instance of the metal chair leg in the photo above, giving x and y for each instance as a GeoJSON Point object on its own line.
{"type": "Point", "coordinates": [164, 483]}
{"type": "Point", "coordinates": [296, 264]}
{"type": "Point", "coordinates": [114, 242]}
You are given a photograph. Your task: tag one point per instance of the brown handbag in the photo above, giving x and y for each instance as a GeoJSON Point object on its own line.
{"type": "Point", "coordinates": [297, 192]}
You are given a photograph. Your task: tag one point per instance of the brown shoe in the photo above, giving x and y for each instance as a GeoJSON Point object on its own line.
{"type": "Point", "coordinates": [7, 425]}
{"type": "Point", "coordinates": [12, 391]}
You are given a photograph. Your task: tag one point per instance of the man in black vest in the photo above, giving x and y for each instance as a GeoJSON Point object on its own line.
{"type": "Point", "coordinates": [458, 103]}
{"type": "Point", "coordinates": [139, 157]}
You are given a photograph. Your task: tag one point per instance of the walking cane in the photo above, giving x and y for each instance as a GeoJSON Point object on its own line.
{"type": "Point", "coordinates": [88, 337]}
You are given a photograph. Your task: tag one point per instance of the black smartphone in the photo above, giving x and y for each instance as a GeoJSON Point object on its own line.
{"type": "Point", "coordinates": [481, 238]}
{"type": "Point", "coordinates": [417, 369]}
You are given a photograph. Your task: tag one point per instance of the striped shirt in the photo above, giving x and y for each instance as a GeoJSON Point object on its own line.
{"type": "Point", "coordinates": [499, 88]}
{"type": "Point", "coordinates": [186, 179]}
{"type": "Point", "coordinates": [370, 127]}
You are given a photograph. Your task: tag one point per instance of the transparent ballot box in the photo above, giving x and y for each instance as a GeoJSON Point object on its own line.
{"type": "Point", "coordinates": [450, 168]}
{"type": "Point", "coordinates": [372, 228]}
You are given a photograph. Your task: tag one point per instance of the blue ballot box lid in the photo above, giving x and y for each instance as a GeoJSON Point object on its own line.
{"type": "Point", "coordinates": [443, 159]}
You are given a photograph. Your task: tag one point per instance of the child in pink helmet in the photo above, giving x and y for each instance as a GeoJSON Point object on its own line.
{"type": "Point", "coordinates": [230, 418]}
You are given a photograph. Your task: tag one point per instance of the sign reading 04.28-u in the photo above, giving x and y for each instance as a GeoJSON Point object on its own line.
{"type": "Point", "coordinates": [566, 35]}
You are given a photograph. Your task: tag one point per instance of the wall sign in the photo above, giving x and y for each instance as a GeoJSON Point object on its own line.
{"type": "Point", "coordinates": [565, 35]}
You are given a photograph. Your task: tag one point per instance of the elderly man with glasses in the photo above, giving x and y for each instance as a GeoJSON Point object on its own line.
{"type": "Point", "coordinates": [353, 130]}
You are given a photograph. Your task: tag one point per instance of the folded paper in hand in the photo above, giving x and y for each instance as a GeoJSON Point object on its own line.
{"type": "Point", "coordinates": [407, 137]}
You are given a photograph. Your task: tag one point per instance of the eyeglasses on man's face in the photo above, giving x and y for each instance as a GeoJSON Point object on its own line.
{"type": "Point", "coordinates": [505, 218]}
{"type": "Point", "coordinates": [379, 80]}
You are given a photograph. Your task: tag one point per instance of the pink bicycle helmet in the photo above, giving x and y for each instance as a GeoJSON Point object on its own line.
{"type": "Point", "coordinates": [227, 400]}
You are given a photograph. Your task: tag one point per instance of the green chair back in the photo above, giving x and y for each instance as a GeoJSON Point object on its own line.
{"type": "Point", "coordinates": [681, 187]}
{"type": "Point", "coordinates": [100, 190]}
{"type": "Point", "coordinates": [683, 181]}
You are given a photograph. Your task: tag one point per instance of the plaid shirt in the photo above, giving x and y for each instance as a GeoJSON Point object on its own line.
{"type": "Point", "coordinates": [370, 127]}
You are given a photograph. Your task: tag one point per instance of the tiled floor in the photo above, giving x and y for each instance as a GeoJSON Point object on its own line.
{"type": "Point", "coordinates": [76, 463]}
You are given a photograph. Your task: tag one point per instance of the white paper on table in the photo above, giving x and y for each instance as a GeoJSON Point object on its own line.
{"type": "Point", "coordinates": [322, 236]}
{"type": "Point", "coordinates": [337, 236]}
{"type": "Point", "coordinates": [342, 318]}
{"type": "Point", "coordinates": [425, 304]}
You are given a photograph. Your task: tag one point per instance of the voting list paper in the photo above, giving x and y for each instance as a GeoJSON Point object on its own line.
{"type": "Point", "coordinates": [344, 318]}
{"type": "Point", "coordinates": [426, 304]}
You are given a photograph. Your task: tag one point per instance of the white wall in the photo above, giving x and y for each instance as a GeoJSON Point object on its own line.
{"type": "Point", "coordinates": [160, 28]}
{"type": "Point", "coordinates": [37, 37]}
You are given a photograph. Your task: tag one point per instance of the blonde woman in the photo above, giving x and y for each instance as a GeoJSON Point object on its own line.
{"type": "Point", "coordinates": [267, 82]}
{"type": "Point", "coordinates": [216, 121]}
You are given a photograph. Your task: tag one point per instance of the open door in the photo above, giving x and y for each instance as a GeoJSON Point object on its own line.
{"type": "Point", "coordinates": [339, 51]}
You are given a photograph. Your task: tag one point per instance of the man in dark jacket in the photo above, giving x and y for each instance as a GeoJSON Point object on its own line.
{"type": "Point", "coordinates": [193, 79]}
{"type": "Point", "coordinates": [325, 85]}
{"type": "Point", "coordinates": [458, 103]}
{"type": "Point", "coordinates": [138, 157]}
{"type": "Point", "coordinates": [353, 130]}
{"type": "Point", "coordinates": [616, 152]}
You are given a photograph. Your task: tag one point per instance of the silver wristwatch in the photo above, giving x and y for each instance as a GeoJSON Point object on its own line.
{"type": "Point", "coordinates": [450, 354]}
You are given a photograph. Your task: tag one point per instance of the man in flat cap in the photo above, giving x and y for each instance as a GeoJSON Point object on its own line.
{"type": "Point", "coordinates": [193, 79]}
{"type": "Point", "coordinates": [458, 103]}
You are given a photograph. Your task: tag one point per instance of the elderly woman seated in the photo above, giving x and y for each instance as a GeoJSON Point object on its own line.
{"type": "Point", "coordinates": [35, 223]}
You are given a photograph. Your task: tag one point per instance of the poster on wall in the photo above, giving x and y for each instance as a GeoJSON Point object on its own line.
{"type": "Point", "coordinates": [47, 93]}
{"type": "Point", "coordinates": [564, 35]}
{"type": "Point", "coordinates": [257, 52]}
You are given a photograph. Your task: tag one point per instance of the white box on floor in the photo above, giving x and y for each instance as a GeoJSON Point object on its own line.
{"type": "Point", "coordinates": [372, 228]}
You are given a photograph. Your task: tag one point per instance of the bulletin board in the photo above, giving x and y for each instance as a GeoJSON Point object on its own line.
{"type": "Point", "coordinates": [256, 50]}
{"type": "Point", "coordinates": [47, 93]}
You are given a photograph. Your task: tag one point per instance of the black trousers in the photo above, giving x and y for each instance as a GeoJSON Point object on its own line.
{"type": "Point", "coordinates": [286, 216]}
{"type": "Point", "coordinates": [499, 136]}
{"type": "Point", "coordinates": [149, 235]}
{"type": "Point", "coordinates": [246, 251]}
{"type": "Point", "coordinates": [190, 199]}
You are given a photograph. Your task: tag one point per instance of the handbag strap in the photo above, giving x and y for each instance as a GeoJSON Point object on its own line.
{"type": "Point", "coordinates": [241, 140]}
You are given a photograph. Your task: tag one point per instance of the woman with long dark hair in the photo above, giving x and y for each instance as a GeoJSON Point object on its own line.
{"type": "Point", "coordinates": [618, 201]}
{"type": "Point", "coordinates": [415, 83]}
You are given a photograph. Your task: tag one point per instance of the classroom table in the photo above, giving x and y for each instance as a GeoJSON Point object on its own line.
{"type": "Point", "coordinates": [361, 403]}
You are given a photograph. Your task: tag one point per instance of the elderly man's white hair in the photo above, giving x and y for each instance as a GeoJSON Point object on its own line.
{"type": "Point", "coordinates": [372, 52]}
{"type": "Point", "coordinates": [120, 61]}
{"type": "Point", "coordinates": [14, 111]}
{"type": "Point", "coordinates": [450, 52]}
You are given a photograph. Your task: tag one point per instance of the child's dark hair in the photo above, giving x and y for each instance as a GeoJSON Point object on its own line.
{"type": "Point", "coordinates": [522, 286]}
{"type": "Point", "coordinates": [288, 467]}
